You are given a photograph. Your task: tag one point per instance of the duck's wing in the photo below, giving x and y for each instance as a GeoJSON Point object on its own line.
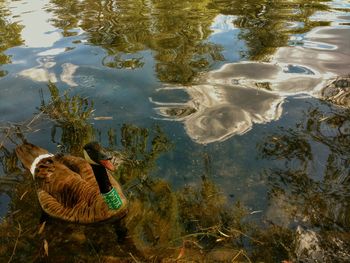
{"type": "Point", "coordinates": [80, 213]}
{"type": "Point", "coordinates": [83, 168]}
{"type": "Point", "coordinates": [87, 210]}
{"type": "Point", "coordinates": [66, 186]}
{"type": "Point", "coordinates": [64, 194]}
{"type": "Point", "coordinates": [77, 165]}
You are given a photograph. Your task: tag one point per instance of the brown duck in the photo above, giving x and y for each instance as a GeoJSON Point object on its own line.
{"type": "Point", "coordinates": [72, 188]}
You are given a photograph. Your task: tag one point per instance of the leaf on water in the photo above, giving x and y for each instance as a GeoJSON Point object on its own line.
{"type": "Point", "coordinates": [42, 227]}
{"type": "Point", "coordinates": [103, 118]}
{"type": "Point", "coordinates": [46, 248]}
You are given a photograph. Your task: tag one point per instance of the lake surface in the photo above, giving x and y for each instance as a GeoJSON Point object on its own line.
{"type": "Point", "coordinates": [232, 116]}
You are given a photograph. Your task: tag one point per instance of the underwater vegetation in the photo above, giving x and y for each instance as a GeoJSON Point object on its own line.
{"type": "Point", "coordinates": [70, 115]}
{"type": "Point", "coordinates": [194, 223]}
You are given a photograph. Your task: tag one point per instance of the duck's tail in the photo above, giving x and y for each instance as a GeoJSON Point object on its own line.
{"type": "Point", "coordinates": [28, 152]}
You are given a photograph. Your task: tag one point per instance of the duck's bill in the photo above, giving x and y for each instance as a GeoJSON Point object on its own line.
{"type": "Point", "coordinates": [107, 164]}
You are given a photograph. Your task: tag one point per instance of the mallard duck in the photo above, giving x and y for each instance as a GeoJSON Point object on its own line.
{"type": "Point", "coordinates": [73, 188]}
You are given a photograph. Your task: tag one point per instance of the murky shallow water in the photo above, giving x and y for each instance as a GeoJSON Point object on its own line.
{"type": "Point", "coordinates": [235, 152]}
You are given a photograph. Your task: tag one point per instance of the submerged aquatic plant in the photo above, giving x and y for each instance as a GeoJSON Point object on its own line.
{"type": "Point", "coordinates": [70, 114]}
{"type": "Point", "coordinates": [65, 108]}
{"type": "Point", "coordinates": [162, 224]}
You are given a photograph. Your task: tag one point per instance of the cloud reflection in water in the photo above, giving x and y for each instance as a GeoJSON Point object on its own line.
{"type": "Point", "coordinates": [217, 112]}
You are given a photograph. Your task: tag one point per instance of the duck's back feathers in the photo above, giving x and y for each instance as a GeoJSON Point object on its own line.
{"type": "Point", "coordinates": [77, 165]}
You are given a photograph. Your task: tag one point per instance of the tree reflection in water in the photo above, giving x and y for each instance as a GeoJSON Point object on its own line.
{"type": "Point", "coordinates": [268, 25]}
{"type": "Point", "coordinates": [125, 29]}
{"type": "Point", "coordinates": [179, 37]}
{"type": "Point", "coordinates": [10, 36]}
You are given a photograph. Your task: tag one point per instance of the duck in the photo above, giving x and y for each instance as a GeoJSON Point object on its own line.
{"type": "Point", "coordinates": [75, 189]}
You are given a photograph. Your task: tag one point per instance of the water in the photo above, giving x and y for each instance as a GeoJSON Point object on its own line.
{"type": "Point", "coordinates": [235, 150]}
